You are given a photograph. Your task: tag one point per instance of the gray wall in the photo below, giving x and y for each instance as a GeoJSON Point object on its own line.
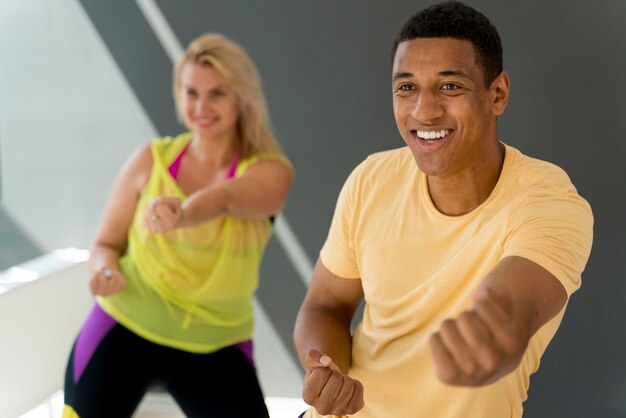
{"type": "Point", "coordinates": [325, 67]}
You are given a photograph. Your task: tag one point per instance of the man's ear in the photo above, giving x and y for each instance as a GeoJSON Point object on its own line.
{"type": "Point", "coordinates": [500, 87]}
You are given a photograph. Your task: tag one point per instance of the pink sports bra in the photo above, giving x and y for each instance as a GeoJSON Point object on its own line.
{"type": "Point", "coordinates": [175, 166]}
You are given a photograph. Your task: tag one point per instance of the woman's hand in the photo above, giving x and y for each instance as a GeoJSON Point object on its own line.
{"type": "Point", "coordinates": [106, 282]}
{"type": "Point", "coordinates": [164, 215]}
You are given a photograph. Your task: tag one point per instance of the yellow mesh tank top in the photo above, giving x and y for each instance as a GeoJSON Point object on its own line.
{"type": "Point", "coordinates": [190, 288]}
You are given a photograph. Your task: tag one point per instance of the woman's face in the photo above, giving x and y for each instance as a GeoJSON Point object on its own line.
{"type": "Point", "coordinates": [208, 105]}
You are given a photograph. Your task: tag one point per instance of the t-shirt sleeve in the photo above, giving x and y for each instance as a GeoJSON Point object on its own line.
{"type": "Point", "coordinates": [554, 231]}
{"type": "Point", "coordinates": [338, 252]}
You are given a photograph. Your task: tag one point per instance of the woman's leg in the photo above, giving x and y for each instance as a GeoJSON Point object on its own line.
{"type": "Point", "coordinates": [221, 384]}
{"type": "Point", "coordinates": [107, 373]}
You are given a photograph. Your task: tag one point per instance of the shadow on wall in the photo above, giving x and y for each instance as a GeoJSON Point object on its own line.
{"type": "Point", "coordinates": [15, 246]}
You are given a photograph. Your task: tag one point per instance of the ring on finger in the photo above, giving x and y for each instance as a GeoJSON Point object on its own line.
{"type": "Point", "coordinates": [155, 218]}
{"type": "Point", "coordinates": [108, 274]}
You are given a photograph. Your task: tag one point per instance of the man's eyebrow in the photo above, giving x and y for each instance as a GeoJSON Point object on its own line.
{"type": "Point", "coordinates": [446, 73]}
{"type": "Point", "coordinates": [453, 73]}
{"type": "Point", "coordinates": [401, 75]}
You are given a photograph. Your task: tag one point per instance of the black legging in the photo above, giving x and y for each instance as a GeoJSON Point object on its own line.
{"type": "Point", "coordinates": [124, 366]}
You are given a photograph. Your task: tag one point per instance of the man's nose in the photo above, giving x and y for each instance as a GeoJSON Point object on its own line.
{"type": "Point", "coordinates": [427, 107]}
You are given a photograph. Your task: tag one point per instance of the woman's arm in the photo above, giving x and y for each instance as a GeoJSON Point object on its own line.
{"type": "Point", "coordinates": [111, 238]}
{"type": "Point", "coordinates": [260, 192]}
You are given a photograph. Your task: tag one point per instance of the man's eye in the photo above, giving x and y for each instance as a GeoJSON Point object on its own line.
{"type": "Point", "coordinates": [405, 88]}
{"type": "Point", "coordinates": [191, 93]}
{"type": "Point", "coordinates": [449, 86]}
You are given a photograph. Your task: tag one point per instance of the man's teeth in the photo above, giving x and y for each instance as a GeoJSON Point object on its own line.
{"type": "Point", "coordinates": [432, 134]}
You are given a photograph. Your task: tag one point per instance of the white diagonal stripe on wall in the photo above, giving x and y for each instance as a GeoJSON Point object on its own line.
{"type": "Point", "coordinates": [161, 29]}
{"type": "Point", "coordinates": [287, 238]}
{"type": "Point", "coordinates": [294, 250]}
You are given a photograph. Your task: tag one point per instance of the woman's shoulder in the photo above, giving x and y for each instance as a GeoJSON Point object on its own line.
{"type": "Point", "coordinates": [265, 157]}
{"type": "Point", "coordinates": [170, 146]}
{"type": "Point", "coordinates": [139, 164]}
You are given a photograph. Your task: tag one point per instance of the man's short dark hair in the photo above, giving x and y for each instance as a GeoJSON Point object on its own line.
{"type": "Point", "coordinates": [454, 19]}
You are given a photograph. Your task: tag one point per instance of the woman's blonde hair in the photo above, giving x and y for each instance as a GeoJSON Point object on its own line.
{"type": "Point", "coordinates": [240, 74]}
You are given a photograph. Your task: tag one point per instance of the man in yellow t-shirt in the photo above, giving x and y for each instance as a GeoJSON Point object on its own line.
{"type": "Point", "coordinates": [465, 250]}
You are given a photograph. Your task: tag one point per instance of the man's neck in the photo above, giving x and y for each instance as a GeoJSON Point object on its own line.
{"type": "Point", "coordinates": [460, 193]}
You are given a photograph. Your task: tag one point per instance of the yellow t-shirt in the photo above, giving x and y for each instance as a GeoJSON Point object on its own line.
{"type": "Point", "coordinates": [190, 288]}
{"type": "Point", "coordinates": [419, 267]}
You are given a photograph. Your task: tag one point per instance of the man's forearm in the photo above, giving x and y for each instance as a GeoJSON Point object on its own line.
{"type": "Point", "coordinates": [328, 332]}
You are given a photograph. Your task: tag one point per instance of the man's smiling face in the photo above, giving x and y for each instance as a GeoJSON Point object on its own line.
{"type": "Point", "coordinates": [443, 110]}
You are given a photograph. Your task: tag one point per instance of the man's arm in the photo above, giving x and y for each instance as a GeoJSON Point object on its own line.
{"type": "Point", "coordinates": [487, 342]}
{"type": "Point", "coordinates": [324, 343]}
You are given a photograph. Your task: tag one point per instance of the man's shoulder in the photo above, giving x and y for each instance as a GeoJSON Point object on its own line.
{"type": "Point", "coordinates": [391, 155]}
{"type": "Point", "coordinates": [537, 174]}
{"type": "Point", "coordinates": [389, 161]}
{"type": "Point", "coordinates": [382, 174]}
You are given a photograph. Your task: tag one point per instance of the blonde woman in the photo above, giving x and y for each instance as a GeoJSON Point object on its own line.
{"type": "Point", "coordinates": [175, 261]}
